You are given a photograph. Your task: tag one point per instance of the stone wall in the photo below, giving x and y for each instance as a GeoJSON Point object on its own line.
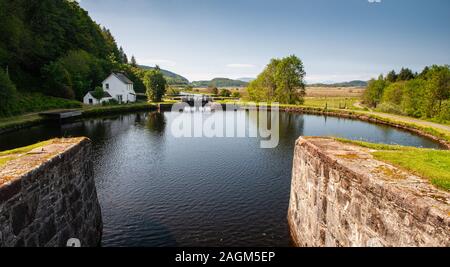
{"type": "Point", "coordinates": [341, 196]}
{"type": "Point", "coordinates": [48, 196]}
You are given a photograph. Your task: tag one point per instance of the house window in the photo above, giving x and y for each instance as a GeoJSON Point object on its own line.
{"type": "Point", "coordinates": [119, 98]}
{"type": "Point", "coordinates": [107, 86]}
{"type": "Point", "coordinates": [91, 101]}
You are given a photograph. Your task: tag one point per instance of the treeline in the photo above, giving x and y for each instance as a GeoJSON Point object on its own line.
{"type": "Point", "coordinates": [219, 82]}
{"type": "Point", "coordinates": [355, 83]}
{"type": "Point", "coordinates": [421, 95]}
{"type": "Point", "coordinates": [281, 81]}
{"type": "Point", "coordinates": [54, 48]}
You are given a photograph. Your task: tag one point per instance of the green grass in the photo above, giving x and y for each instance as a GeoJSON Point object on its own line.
{"type": "Point", "coordinates": [36, 102]}
{"type": "Point", "coordinates": [373, 145]}
{"type": "Point", "coordinates": [89, 111]}
{"type": "Point", "coordinates": [331, 102]}
{"type": "Point", "coordinates": [430, 164]}
{"type": "Point", "coordinates": [12, 154]}
{"type": "Point", "coordinates": [17, 122]}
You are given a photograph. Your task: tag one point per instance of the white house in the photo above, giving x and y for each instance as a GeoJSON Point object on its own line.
{"type": "Point", "coordinates": [117, 86]}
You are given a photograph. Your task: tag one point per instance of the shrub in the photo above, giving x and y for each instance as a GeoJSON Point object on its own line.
{"type": "Point", "coordinates": [390, 108]}
{"type": "Point", "coordinates": [225, 93]}
{"type": "Point", "coordinates": [110, 102]}
{"type": "Point", "coordinates": [236, 94]}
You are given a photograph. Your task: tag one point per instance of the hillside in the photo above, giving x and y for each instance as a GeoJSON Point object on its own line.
{"type": "Point", "coordinates": [54, 48]}
{"type": "Point", "coordinates": [356, 83]}
{"type": "Point", "coordinates": [246, 79]}
{"type": "Point", "coordinates": [219, 82]}
{"type": "Point", "coordinates": [172, 78]}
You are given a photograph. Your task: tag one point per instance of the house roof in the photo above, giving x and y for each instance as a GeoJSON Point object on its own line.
{"type": "Point", "coordinates": [122, 77]}
{"type": "Point", "coordinates": [105, 94]}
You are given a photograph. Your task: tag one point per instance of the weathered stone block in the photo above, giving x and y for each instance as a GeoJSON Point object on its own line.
{"type": "Point", "coordinates": [47, 195]}
{"type": "Point", "coordinates": [340, 198]}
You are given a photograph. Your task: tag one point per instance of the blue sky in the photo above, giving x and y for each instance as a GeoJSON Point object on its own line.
{"type": "Point", "coordinates": [338, 40]}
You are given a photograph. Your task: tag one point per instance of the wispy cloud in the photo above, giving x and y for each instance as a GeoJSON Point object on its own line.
{"type": "Point", "coordinates": [374, 1]}
{"type": "Point", "coordinates": [240, 65]}
{"type": "Point", "coordinates": [154, 61]}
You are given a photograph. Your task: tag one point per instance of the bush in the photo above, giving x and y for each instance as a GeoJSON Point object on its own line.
{"type": "Point", "coordinates": [225, 93]}
{"type": "Point", "coordinates": [444, 115]}
{"type": "Point", "coordinates": [110, 102]}
{"type": "Point", "coordinates": [393, 93]}
{"type": "Point", "coordinates": [389, 108]}
{"type": "Point", "coordinates": [173, 91]}
{"type": "Point", "coordinates": [236, 94]}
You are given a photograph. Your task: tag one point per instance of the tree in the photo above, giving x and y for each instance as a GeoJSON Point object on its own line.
{"type": "Point", "coordinates": [393, 93]}
{"type": "Point", "coordinates": [58, 82]}
{"type": "Point", "coordinates": [413, 98]}
{"type": "Point", "coordinates": [392, 76]}
{"type": "Point", "coordinates": [98, 93]}
{"type": "Point", "coordinates": [133, 62]}
{"type": "Point", "coordinates": [173, 91]}
{"type": "Point", "coordinates": [282, 80]}
{"type": "Point", "coordinates": [225, 93]}
{"type": "Point", "coordinates": [155, 84]}
{"type": "Point", "coordinates": [236, 94]}
{"type": "Point", "coordinates": [214, 90]}
{"type": "Point", "coordinates": [122, 56]}
{"type": "Point", "coordinates": [289, 81]}
{"type": "Point", "coordinates": [437, 89]}
{"type": "Point", "coordinates": [7, 95]}
{"type": "Point", "coordinates": [405, 74]}
{"type": "Point", "coordinates": [374, 92]}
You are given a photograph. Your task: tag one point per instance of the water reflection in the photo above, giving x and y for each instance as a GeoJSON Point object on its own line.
{"type": "Point", "coordinates": [156, 122]}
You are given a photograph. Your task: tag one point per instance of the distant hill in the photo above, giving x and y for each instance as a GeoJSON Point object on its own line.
{"type": "Point", "coordinates": [356, 83]}
{"type": "Point", "coordinates": [245, 79]}
{"type": "Point", "coordinates": [172, 78]}
{"type": "Point", "coordinates": [219, 82]}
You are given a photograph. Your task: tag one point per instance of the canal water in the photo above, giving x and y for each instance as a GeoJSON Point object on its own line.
{"type": "Point", "coordinates": [159, 190]}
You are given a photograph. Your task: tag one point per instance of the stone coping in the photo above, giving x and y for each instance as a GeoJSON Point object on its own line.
{"type": "Point", "coordinates": [407, 191]}
{"type": "Point", "coordinates": [39, 158]}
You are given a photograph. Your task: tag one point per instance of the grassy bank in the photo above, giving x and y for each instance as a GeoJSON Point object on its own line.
{"type": "Point", "coordinates": [332, 102]}
{"type": "Point", "coordinates": [37, 102]}
{"type": "Point", "coordinates": [18, 122]}
{"type": "Point", "coordinates": [430, 164]}
{"type": "Point", "coordinates": [92, 111]}
{"type": "Point", "coordinates": [437, 132]}
{"type": "Point", "coordinates": [31, 119]}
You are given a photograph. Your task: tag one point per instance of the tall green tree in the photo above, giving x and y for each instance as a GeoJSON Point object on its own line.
{"type": "Point", "coordinates": [133, 62]}
{"type": "Point", "coordinates": [122, 56]}
{"type": "Point", "coordinates": [405, 74]}
{"type": "Point", "coordinates": [437, 89]}
{"type": "Point", "coordinates": [413, 98]}
{"type": "Point", "coordinates": [58, 81]}
{"type": "Point", "coordinates": [7, 94]}
{"type": "Point", "coordinates": [393, 93]}
{"type": "Point", "coordinates": [391, 76]}
{"type": "Point", "coordinates": [155, 84]}
{"type": "Point", "coordinates": [282, 81]}
{"type": "Point", "coordinates": [374, 92]}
